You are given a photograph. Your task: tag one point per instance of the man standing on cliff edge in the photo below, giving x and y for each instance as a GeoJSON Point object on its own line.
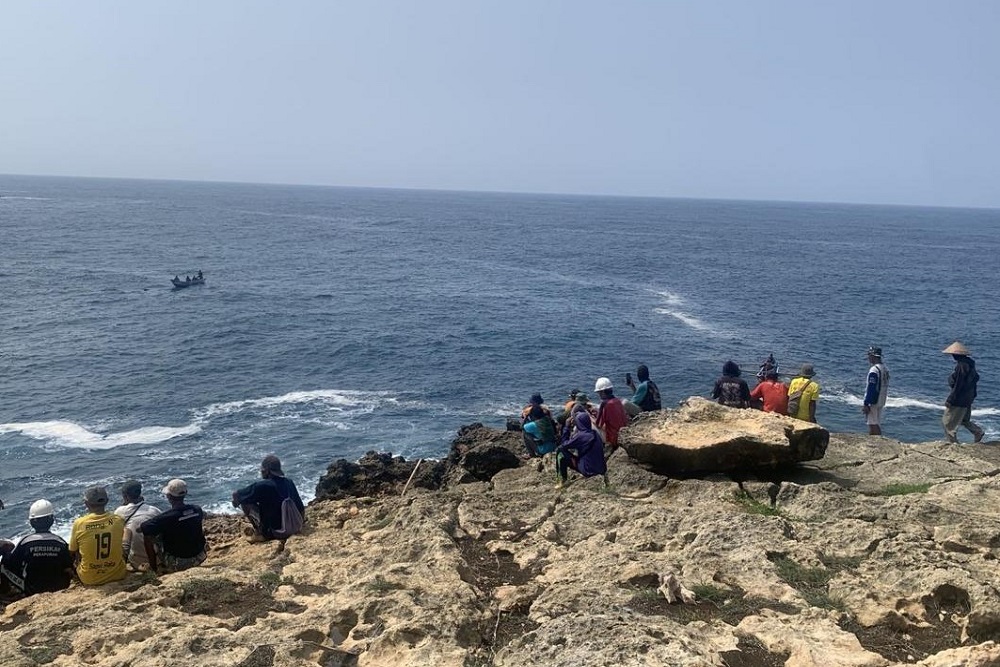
{"type": "Point", "coordinates": [876, 391]}
{"type": "Point", "coordinates": [958, 406]}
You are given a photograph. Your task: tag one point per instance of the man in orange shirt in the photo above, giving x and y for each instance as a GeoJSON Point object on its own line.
{"type": "Point", "coordinates": [773, 393]}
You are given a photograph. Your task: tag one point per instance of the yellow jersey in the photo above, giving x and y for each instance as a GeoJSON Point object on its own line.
{"type": "Point", "coordinates": [809, 395]}
{"type": "Point", "coordinates": [98, 540]}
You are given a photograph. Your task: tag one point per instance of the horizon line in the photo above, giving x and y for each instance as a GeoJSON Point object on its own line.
{"type": "Point", "coordinates": [504, 192]}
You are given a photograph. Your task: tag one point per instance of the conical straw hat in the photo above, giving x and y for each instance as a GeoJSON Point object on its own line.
{"type": "Point", "coordinates": [956, 348]}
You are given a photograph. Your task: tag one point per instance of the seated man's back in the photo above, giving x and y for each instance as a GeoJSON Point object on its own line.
{"type": "Point", "coordinates": [40, 563]}
{"type": "Point", "coordinates": [97, 540]}
{"type": "Point", "coordinates": [182, 532]}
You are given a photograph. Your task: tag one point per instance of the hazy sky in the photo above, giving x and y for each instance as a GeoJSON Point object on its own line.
{"type": "Point", "coordinates": [894, 102]}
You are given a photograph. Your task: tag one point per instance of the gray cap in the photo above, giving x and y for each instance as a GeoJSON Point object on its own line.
{"type": "Point", "coordinates": [96, 495]}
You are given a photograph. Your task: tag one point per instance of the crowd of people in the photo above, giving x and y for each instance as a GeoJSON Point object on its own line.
{"type": "Point", "coordinates": [800, 396]}
{"type": "Point", "coordinates": [578, 434]}
{"type": "Point", "coordinates": [105, 545]}
{"type": "Point", "coordinates": [582, 436]}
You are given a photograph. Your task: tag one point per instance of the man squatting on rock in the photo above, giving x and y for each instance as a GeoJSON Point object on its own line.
{"type": "Point", "coordinates": [262, 500]}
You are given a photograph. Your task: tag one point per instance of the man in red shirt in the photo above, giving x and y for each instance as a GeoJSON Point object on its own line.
{"type": "Point", "coordinates": [773, 393]}
{"type": "Point", "coordinates": [611, 415]}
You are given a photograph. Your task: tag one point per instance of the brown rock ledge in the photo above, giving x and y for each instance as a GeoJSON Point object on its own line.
{"type": "Point", "coordinates": [878, 554]}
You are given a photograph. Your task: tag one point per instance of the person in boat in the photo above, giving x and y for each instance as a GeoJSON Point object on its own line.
{"type": "Point", "coordinates": [200, 276]}
{"type": "Point", "coordinates": [177, 278]}
{"type": "Point", "coordinates": [769, 365]}
{"type": "Point", "coordinates": [731, 389]}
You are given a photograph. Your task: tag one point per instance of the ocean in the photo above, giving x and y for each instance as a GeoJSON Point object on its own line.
{"type": "Point", "coordinates": [337, 320]}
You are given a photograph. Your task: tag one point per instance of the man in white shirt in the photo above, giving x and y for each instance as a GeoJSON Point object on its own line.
{"type": "Point", "coordinates": [135, 511]}
{"type": "Point", "coordinates": [876, 391]}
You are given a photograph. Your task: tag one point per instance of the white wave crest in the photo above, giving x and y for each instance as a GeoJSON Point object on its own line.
{"type": "Point", "coordinates": [692, 322]}
{"type": "Point", "coordinates": [344, 404]}
{"type": "Point", "coordinates": [338, 399]}
{"type": "Point", "coordinates": [69, 434]}
{"type": "Point", "coordinates": [907, 402]}
{"type": "Point", "coordinates": [671, 298]}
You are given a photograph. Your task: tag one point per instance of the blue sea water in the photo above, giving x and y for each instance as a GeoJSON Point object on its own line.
{"type": "Point", "coordinates": [336, 320]}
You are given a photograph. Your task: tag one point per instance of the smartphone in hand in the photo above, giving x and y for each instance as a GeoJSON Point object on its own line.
{"type": "Point", "coordinates": [628, 378]}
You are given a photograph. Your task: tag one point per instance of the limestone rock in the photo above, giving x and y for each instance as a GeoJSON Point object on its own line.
{"type": "Point", "coordinates": [376, 474]}
{"type": "Point", "coordinates": [703, 436]}
{"type": "Point", "coordinates": [878, 554]}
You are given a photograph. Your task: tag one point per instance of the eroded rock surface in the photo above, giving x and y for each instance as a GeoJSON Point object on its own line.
{"type": "Point", "coordinates": [702, 436]}
{"type": "Point", "coordinates": [880, 554]}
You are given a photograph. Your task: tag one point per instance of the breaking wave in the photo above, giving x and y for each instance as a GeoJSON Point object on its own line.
{"type": "Point", "coordinates": [334, 405]}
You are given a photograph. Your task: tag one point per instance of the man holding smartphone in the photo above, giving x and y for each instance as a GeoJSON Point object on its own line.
{"type": "Point", "coordinates": [645, 395]}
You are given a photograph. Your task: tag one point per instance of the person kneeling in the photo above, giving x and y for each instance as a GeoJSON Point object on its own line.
{"type": "Point", "coordinates": [583, 452]}
{"type": "Point", "coordinates": [175, 539]}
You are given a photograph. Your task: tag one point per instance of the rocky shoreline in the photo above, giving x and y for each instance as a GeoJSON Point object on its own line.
{"type": "Point", "coordinates": [877, 554]}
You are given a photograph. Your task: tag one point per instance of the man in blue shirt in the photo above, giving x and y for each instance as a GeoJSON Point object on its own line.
{"type": "Point", "coordinates": [646, 396]}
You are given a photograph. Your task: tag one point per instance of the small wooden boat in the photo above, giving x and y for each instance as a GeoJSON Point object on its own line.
{"type": "Point", "coordinates": [181, 284]}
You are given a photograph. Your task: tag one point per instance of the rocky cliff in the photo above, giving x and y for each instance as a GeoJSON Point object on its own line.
{"type": "Point", "coordinates": [878, 554]}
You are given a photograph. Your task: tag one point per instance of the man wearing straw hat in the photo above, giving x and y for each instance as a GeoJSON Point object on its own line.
{"type": "Point", "coordinates": [958, 406]}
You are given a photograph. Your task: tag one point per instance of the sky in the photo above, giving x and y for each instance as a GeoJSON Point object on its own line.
{"type": "Point", "coordinates": [847, 101]}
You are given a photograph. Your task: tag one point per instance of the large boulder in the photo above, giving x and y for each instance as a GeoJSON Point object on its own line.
{"type": "Point", "coordinates": [376, 474]}
{"type": "Point", "coordinates": [477, 454]}
{"type": "Point", "coordinates": [702, 436]}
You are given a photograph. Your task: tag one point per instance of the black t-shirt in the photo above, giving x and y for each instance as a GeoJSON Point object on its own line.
{"type": "Point", "coordinates": [732, 391]}
{"type": "Point", "coordinates": [40, 563]}
{"type": "Point", "coordinates": [181, 529]}
{"type": "Point", "coordinates": [268, 494]}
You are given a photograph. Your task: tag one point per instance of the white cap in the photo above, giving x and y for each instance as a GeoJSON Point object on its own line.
{"type": "Point", "coordinates": [177, 488]}
{"type": "Point", "coordinates": [603, 384]}
{"type": "Point", "coordinates": [40, 509]}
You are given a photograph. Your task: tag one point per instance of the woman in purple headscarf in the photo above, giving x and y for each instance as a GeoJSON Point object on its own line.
{"type": "Point", "coordinates": [584, 452]}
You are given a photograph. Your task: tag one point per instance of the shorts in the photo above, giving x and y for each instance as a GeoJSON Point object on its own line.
{"type": "Point", "coordinates": [875, 415]}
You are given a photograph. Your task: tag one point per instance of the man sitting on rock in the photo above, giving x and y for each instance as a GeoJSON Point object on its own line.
{"type": "Point", "coordinates": [135, 511]}
{"type": "Point", "coordinates": [96, 541]}
{"type": "Point", "coordinates": [730, 389]}
{"type": "Point", "coordinates": [261, 501]}
{"type": "Point", "coordinates": [41, 562]}
{"type": "Point", "coordinates": [175, 540]}
{"type": "Point", "coordinates": [534, 402]}
{"type": "Point", "coordinates": [646, 396]}
{"type": "Point", "coordinates": [772, 394]}
{"type": "Point", "coordinates": [611, 415]}
{"type": "Point", "coordinates": [584, 452]}
{"type": "Point", "coordinates": [540, 435]}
